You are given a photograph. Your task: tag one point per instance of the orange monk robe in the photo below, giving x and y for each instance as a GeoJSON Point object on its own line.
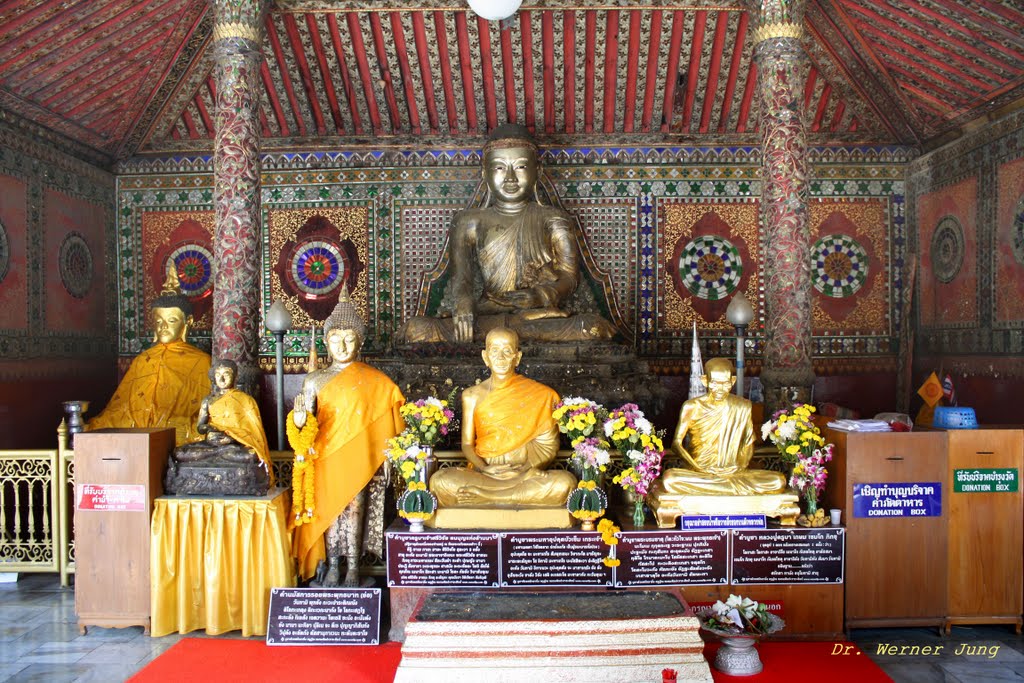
{"type": "Point", "coordinates": [236, 414]}
{"type": "Point", "coordinates": [357, 412]}
{"type": "Point", "coordinates": [164, 387]}
{"type": "Point", "coordinates": [512, 417]}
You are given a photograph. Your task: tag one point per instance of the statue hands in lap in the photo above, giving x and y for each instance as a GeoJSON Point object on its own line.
{"type": "Point", "coordinates": [230, 419]}
{"type": "Point", "coordinates": [508, 438]}
{"type": "Point", "coordinates": [721, 442]}
{"type": "Point", "coordinates": [166, 383]}
{"type": "Point", "coordinates": [357, 411]}
{"type": "Point", "coordinates": [525, 253]}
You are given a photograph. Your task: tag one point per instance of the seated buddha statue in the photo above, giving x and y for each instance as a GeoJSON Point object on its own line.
{"type": "Point", "coordinates": [715, 439]}
{"type": "Point", "coordinates": [525, 254]}
{"type": "Point", "coordinates": [235, 439]}
{"type": "Point", "coordinates": [166, 383]}
{"type": "Point", "coordinates": [508, 438]}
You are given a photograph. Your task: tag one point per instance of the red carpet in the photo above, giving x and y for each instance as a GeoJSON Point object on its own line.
{"type": "Point", "coordinates": [251, 661]}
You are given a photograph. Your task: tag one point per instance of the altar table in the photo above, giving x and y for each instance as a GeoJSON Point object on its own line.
{"type": "Point", "coordinates": [214, 561]}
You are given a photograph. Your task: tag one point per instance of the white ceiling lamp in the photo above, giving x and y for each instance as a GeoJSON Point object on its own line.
{"type": "Point", "coordinates": [495, 10]}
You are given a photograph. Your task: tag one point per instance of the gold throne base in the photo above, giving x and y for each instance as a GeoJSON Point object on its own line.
{"type": "Point", "coordinates": [501, 518]}
{"type": "Point", "coordinates": [668, 507]}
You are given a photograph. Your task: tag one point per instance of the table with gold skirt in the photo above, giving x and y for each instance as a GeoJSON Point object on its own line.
{"type": "Point", "coordinates": [214, 561]}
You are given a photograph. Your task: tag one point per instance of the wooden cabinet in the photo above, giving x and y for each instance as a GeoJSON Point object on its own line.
{"type": "Point", "coordinates": [118, 473]}
{"type": "Point", "coordinates": [986, 527]}
{"type": "Point", "coordinates": [896, 566]}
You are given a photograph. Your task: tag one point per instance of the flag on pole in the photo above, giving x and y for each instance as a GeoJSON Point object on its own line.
{"type": "Point", "coordinates": [931, 390]}
{"type": "Point", "coordinates": [948, 392]}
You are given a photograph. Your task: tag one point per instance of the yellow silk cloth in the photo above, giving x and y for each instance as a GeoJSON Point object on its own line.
{"type": "Point", "coordinates": [213, 562]}
{"type": "Point", "coordinates": [236, 414]}
{"type": "Point", "coordinates": [164, 387]}
{"type": "Point", "coordinates": [357, 412]}
{"type": "Point", "coordinates": [722, 435]}
{"type": "Point", "coordinates": [511, 416]}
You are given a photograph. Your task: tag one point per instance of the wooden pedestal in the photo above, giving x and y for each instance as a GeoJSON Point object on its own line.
{"type": "Point", "coordinates": [117, 476]}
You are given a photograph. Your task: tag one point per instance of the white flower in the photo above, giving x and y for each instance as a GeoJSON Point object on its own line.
{"type": "Point", "coordinates": [720, 608]}
{"type": "Point", "coordinates": [609, 428]}
{"type": "Point", "coordinates": [734, 601]}
{"type": "Point", "coordinates": [436, 402]}
{"type": "Point", "coordinates": [643, 425]}
{"type": "Point", "coordinates": [603, 457]}
{"type": "Point", "coordinates": [787, 431]}
{"type": "Point", "coordinates": [634, 456]}
{"type": "Point", "coordinates": [766, 430]}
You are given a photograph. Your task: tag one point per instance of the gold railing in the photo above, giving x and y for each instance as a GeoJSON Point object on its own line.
{"type": "Point", "coordinates": [29, 511]}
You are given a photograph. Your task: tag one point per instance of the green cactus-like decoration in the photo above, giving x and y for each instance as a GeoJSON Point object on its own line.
{"type": "Point", "coordinates": [587, 500]}
{"type": "Point", "coordinates": [417, 504]}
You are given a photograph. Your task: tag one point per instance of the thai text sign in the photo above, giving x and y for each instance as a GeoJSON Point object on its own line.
{"type": "Point", "coordinates": [898, 499]}
{"type": "Point", "coordinates": [788, 556]}
{"type": "Point", "coordinates": [324, 616]}
{"type": "Point", "coordinates": [985, 480]}
{"type": "Point", "coordinates": [704, 522]}
{"type": "Point", "coordinates": [672, 558]}
{"type": "Point", "coordinates": [111, 497]}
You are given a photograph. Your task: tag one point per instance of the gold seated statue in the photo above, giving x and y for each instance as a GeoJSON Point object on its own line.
{"type": "Point", "coordinates": [721, 443]}
{"type": "Point", "coordinates": [508, 438]}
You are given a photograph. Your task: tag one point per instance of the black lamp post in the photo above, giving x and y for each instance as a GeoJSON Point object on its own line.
{"type": "Point", "coordinates": [278, 322]}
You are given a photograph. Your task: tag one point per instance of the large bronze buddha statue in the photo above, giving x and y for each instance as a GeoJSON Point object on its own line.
{"type": "Point", "coordinates": [715, 439]}
{"type": "Point", "coordinates": [524, 255]}
{"type": "Point", "coordinates": [509, 438]}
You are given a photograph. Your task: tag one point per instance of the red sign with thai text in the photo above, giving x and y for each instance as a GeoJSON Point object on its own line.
{"type": "Point", "coordinates": [111, 497]}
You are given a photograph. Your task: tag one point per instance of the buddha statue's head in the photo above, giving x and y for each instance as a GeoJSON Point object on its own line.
{"type": "Point", "coordinates": [171, 311]}
{"type": "Point", "coordinates": [223, 373]}
{"type": "Point", "coordinates": [501, 352]}
{"type": "Point", "coordinates": [510, 166]}
{"type": "Point", "coordinates": [344, 330]}
{"type": "Point", "coordinates": [718, 377]}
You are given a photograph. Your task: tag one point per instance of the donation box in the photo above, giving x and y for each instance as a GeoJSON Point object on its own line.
{"type": "Point", "coordinates": [118, 473]}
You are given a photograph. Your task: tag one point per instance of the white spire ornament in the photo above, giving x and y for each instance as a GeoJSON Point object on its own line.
{"type": "Point", "coordinates": [697, 388]}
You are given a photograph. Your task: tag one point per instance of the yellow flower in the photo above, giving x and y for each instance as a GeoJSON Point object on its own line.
{"type": "Point", "coordinates": [793, 450]}
{"type": "Point", "coordinates": [611, 562]}
{"type": "Point", "coordinates": [605, 524]}
{"type": "Point", "coordinates": [589, 485]}
{"type": "Point", "coordinates": [609, 539]}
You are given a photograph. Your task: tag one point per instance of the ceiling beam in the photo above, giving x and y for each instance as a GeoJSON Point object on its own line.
{"type": "Point", "coordinates": [714, 70]}
{"type": "Point", "coordinates": [466, 69]}
{"type": "Point", "coordinates": [651, 79]}
{"type": "Point", "coordinates": [611, 69]}
{"type": "Point", "coordinates": [738, 48]}
{"type": "Point", "coordinates": [529, 95]}
{"type": "Point", "coordinates": [693, 70]}
{"type": "Point", "coordinates": [405, 72]}
{"type": "Point", "coordinates": [355, 33]}
{"type": "Point", "coordinates": [286, 79]}
{"type": "Point", "coordinates": [508, 72]}
{"type": "Point", "coordinates": [632, 69]}
{"type": "Point", "coordinates": [569, 75]}
{"type": "Point", "coordinates": [447, 75]}
{"type": "Point", "coordinates": [672, 72]}
{"type": "Point", "coordinates": [419, 32]}
{"type": "Point", "coordinates": [291, 30]}
{"type": "Point", "coordinates": [313, 28]}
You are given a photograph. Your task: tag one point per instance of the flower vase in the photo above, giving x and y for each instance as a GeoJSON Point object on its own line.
{"type": "Point", "coordinates": [738, 656]}
{"type": "Point", "coordinates": [429, 465]}
{"type": "Point", "coordinates": [811, 500]}
{"type": "Point", "coordinates": [416, 525]}
{"type": "Point", "coordinates": [639, 517]}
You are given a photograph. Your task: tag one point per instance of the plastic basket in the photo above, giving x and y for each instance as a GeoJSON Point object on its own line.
{"type": "Point", "coordinates": [954, 417]}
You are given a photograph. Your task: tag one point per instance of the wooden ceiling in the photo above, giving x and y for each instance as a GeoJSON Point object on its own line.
{"type": "Point", "coordinates": [126, 77]}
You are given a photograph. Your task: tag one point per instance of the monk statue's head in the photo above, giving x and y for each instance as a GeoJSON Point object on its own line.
{"type": "Point", "coordinates": [172, 311]}
{"type": "Point", "coordinates": [510, 164]}
{"type": "Point", "coordinates": [344, 330]}
{"type": "Point", "coordinates": [718, 377]}
{"type": "Point", "coordinates": [223, 373]}
{"type": "Point", "coordinates": [501, 352]}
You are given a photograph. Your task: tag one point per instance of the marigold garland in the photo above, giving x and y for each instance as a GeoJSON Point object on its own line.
{"type": "Point", "coordinates": [303, 469]}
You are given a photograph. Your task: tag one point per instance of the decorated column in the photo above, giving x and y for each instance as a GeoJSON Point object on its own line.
{"type": "Point", "coordinates": [787, 374]}
{"type": "Point", "coordinates": [237, 38]}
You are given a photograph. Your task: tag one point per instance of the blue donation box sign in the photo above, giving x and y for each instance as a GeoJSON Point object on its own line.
{"type": "Point", "coordinates": [899, 499]}
{"type": "Point", "coordinates": [706, 522]}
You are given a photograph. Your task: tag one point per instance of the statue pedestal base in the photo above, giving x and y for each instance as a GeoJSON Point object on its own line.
{"type": "Point", "coordinates": [217, 478]}
{"type": "Point", "coordinates": [501, 518]}
{"type": "Point", "coordinates": [668, 507]}
{"type": "Point", "coordinates": [508, 637]}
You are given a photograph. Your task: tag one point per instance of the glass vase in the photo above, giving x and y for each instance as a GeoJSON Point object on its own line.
{"type": "Point", "coordinates": [811, 500]}
{"type": "Point", "coordinates": [638, 512]}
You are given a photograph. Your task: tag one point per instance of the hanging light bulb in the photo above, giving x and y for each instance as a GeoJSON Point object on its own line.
{"type": "Point", "coordinates": [495, 10]}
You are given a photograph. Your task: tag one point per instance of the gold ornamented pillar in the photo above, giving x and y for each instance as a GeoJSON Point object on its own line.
{"type": "Point", "coordinates": [787, 374]}
{"type": "Point", "coordinates": [237, 41]}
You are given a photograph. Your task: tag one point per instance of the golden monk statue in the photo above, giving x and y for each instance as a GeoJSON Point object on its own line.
{"type": "Point", "coordinates": [524, 253]}
{"type": "Point", "coordinates": [357, 411]}
{"type": "Point", "coordinates": [234, 441]}
{"type": "Point", "coordinates": [508, 437]}
{"type": "Point", "coordinates": [166, 383]}
{"type": "Point", "coordinates": [715, 438]}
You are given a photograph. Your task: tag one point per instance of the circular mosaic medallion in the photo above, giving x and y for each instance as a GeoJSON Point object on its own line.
{"type": "Point", "coordinates": [5, 253]}
{"type": "Point", "coordinates": [194, 264]}
{"type": "Point", "coordinates": [840, 265]}
{"type": "Point", "coordinates": [710, 267]}
{"type": "Point", "coordinates": [317, 267]}
{"type": "Point", "coordinates": [947, 250]}
{"type": "Point", "coordinates": [1017, 233]}
{"type": "Point", "coordinates": [75, 265]}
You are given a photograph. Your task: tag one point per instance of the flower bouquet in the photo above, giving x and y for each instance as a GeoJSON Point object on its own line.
{"type": "Point", "coordinates": [588, 501]}
{"type": "Point", "coordinates": [626, 426]}
{"type": "Point", "coordinates": [409, 459]}
{"type": "Point", "coordinates": [577, 417]}
{"type": "Point", "coordinates": [430, 419]}
{"type": "Point", "coordinates": [808, 479]}
{"type": "Point", "coordinates": [793, 433]}
{"type": "Point", "coordinates": [642, 467]}
{"type": "Point", "coordinates": [739, 622]}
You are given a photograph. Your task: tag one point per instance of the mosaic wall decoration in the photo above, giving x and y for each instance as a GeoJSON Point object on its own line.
{"type": "Point", "coordinates": [75, 277]}
{"type": "Point", "coordinates": [840, 266]}
{"type": "Point", "coordinates": [184, 240]}
{"type": "Point", "coordinates": [638, 209]}
{"type": "Point", "coordinates": [14, 289]}
{"type": "Point", "coordinates": [1008, 256]}
{"type": "Point", "coordinates": [74, 263]}
{"type": "Point", "coordinates": [948, 238]}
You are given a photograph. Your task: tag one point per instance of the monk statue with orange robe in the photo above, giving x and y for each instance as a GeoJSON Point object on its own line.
{"type": "Point", "coordinates": [166, 383]}
{"type": "Point", "coordinates": [347, 412]}
{"type": "Point", "coordinates": [509, 438]}
{"type": "Point", "coordinates": [715, 439]}
{"type": "Point", "coordinates": [234, 458]}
